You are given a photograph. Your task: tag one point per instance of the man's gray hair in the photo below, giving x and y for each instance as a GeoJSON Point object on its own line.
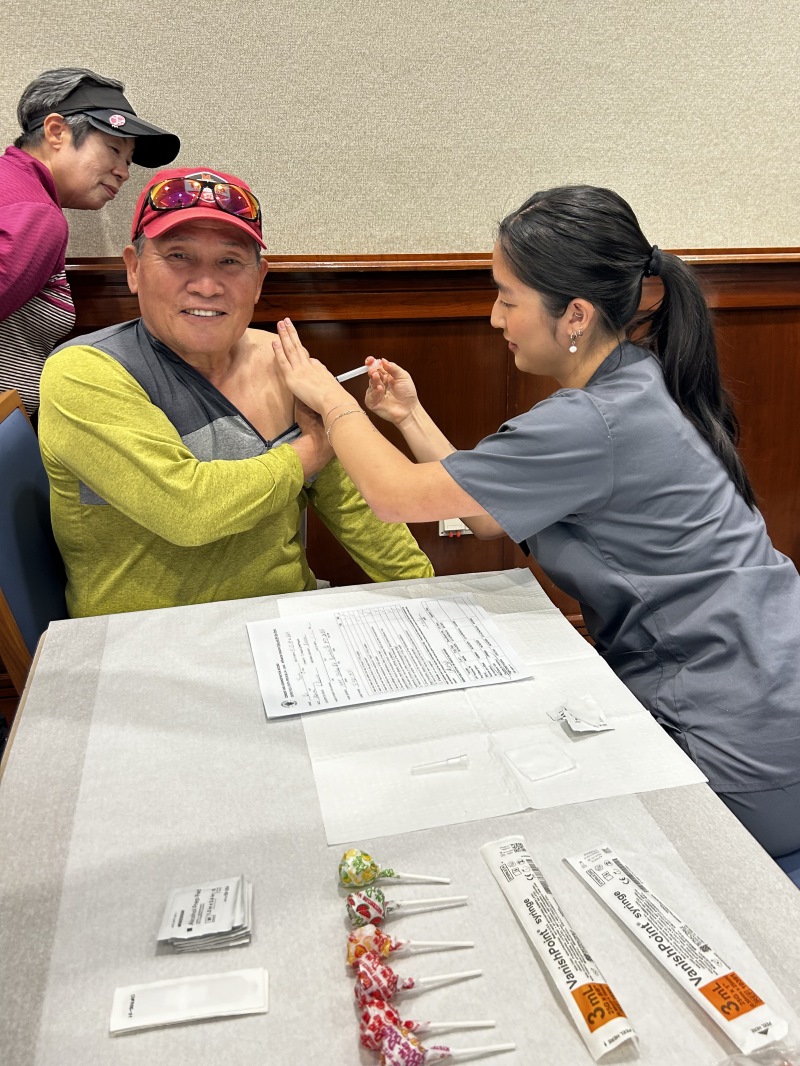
{"type": "Point", "coordinates": [48, 92]}
{"type": "Point", "coordinates": [138, 247]}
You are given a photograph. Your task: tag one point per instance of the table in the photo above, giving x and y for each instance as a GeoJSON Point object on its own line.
{"type": "Point", "coordinates": [123, 783]}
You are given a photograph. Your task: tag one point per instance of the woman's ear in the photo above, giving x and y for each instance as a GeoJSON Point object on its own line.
{"type": "Point", "coordinates": [580, 315]}
{"type": "Point", "coordinates": [57, 133]}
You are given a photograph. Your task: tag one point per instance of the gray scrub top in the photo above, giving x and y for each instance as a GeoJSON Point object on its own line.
{"type": "Point", "coordinates": [627, 509]}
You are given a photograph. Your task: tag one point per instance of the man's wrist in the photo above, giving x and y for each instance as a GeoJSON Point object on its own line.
{"type": "Point", "coordinates": [312, 457]}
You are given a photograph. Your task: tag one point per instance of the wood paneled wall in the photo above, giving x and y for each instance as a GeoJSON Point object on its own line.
{"type": "Point", "coordinates": [430, 313]}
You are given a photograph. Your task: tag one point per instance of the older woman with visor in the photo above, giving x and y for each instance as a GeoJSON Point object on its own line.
{"type": "Point", "coordinates": [625, 484]}
{"type": "Point", "coordinates": [79, 138]}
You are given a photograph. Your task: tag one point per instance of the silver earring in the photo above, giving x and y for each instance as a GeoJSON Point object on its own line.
{"type": "Point", "coordinates": [573, 337]}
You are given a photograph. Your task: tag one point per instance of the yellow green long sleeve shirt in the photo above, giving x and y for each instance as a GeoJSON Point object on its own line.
{"type": "Point", "coordinates": [163, 494]}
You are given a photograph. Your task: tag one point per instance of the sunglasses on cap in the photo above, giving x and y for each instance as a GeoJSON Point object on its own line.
{"type": "Point", "coordinates": [204, 190]}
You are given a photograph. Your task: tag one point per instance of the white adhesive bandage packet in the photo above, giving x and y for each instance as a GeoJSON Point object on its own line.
{"type": "Point", "coordinates": [711, 983]}
{"type": "Point", "coordinates": [189, 999]}
{"type": "Point", "coordinates": [592, 1005]}
{"type": "Point", "coordinates": [583, 714]}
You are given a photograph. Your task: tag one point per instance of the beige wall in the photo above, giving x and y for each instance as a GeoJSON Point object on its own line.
{"type": "Point", "coordinates": [414, 125]}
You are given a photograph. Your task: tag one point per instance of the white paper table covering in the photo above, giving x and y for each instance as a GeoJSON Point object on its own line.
{"type": "Point", "coordinates": [362, 756]}
{"type": "Point", "coordinates": [143, 760]}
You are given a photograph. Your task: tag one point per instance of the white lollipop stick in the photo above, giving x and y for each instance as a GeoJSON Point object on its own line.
{"type": "Point", "coordinates": [377, 980]}
{"type": "Point", "coordinates": [371, 907]}
{"type": "Point", "coordinates": [437, 901]}
{"type": "Point", "coordinates": [475, 1052]}
{"type": "Point", "coordinates": [439, 979]}
{"type": "Point", "coordinates": [370, 938]}
{"type": "Point", "coordinates": [441, 1027]}
{"type": "Point", "coordinates": [377, 1014]}
{"type": "Point", "coordinates": [357, 869]}
{"type": "Point", "coordinates": [397, 876]}
{"type": "Point", "coordinates": [400, 1047]}
{"type": "Point", "coordinates": [410, 947]}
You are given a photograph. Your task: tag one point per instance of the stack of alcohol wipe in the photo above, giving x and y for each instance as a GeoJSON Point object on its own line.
{"type": "Point", "coordinates": [215, 915]}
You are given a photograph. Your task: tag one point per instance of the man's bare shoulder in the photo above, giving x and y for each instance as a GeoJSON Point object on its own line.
{"type": "Point", "coordinates": [255, 347]}
{"type": "Point", "coordinates": [253, 384]}
{"type": "Point", "coordinates": [262, 338]}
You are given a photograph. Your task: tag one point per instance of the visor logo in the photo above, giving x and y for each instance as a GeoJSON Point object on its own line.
{"type": "Point", "coordinates": [117, 120]}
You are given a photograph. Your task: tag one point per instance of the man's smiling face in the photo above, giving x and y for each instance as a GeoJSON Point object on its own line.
{"type": "Point", "coordinates": [197, 286]}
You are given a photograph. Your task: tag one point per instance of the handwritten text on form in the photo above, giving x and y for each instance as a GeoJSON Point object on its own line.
{"type": "Point", "coordinates": [366, 654]}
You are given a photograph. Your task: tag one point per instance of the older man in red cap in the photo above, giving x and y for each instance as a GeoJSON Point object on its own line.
{"type": "Point", "coordinates": [178, 465]}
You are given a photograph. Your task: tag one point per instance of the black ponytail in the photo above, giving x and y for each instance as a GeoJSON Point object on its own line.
{"type": "Point", "coordinates": [680, 332]}
{"type": "Point", "coordinates": [583, 241]}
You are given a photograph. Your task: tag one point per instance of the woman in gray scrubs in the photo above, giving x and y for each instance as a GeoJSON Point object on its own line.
{"type": "Point", "coordinates": [625, 485]}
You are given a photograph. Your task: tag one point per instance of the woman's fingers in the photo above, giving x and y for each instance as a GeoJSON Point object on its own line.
{"type": "Point", "coordinates": [290, 342]}
{"type": "Point", "coordinates": [299, 348]}
{"type": "Point", "coordinates": [286, 341]}
{"type": "Point", "coordinates": [281, 360]}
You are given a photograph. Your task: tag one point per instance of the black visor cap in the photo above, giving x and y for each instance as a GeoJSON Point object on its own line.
{"type": "Point", "coordinates": [110, 112]}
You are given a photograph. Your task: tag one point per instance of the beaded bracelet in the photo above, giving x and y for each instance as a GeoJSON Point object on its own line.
{"type": "Point", "coordinates": [350, 411]}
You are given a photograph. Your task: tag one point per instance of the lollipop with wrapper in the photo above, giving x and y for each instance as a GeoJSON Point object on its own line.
{"type": "Point", "coordinates": [369, 906]}
{"type": "Point", "coordinates": [357, 869]}
{"type": "Point", "coordinates": [399, 1047]}
{"type": "Point", "coordinates": [376, 1014]}
{"type": "Point", "coordinates": [370, 938]}
{"type": "Point", "coordinates": [376, 980]}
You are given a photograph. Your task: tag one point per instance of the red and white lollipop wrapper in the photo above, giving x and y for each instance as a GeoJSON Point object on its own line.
{"type": "Point", "coordinates": [399, 1047]}
{"type": "Point", "coordinates": [376, 980]}
{"type": "Point", "coordinates": [370, 938]}
{"type": "Point", "coordinates": [376, 1014]}
{"type": "Point", "coordinates": [369, 906]}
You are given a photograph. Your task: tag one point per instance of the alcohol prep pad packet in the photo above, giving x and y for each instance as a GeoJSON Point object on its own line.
{"type": "Point", "coordinates": [216, 914]}
{"type": "Point", "coordinates": [190, 999]}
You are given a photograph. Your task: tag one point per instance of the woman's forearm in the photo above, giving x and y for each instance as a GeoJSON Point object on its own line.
{"type": "Point", "coordinates": [428, 444]}
{"type": "Point", "coordinates": [423, 436]}
{"type": "Point", "coordinates": [397, 489]}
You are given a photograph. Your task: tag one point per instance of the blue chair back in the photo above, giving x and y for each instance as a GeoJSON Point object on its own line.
{"type": "Point", "coordinates": [32, 575]}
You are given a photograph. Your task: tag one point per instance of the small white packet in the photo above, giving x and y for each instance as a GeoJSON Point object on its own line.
{"type": "Point", "coordinates": [189, 999]}
{"type": "Point", "coordinates": [201, 917]}
{"type": "Point", "coordinates": [239, 936]}
{"type": "Point", "coordinates": [202, 909]}
{"type": "Point", "coordinates": [583, 714]}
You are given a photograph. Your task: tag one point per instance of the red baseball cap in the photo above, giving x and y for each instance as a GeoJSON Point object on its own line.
{"type": "Point", "coordinates": [221, 197]}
